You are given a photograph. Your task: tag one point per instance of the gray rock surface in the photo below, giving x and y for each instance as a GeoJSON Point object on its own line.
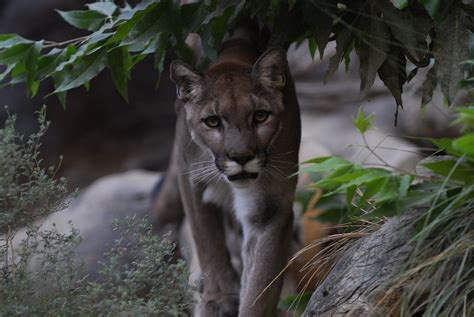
{"type": "Point", "coordinates": [92, 212]}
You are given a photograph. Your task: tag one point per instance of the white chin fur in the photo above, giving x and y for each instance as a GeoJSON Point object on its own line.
{"type": "Point", "coordinates": [253, 166]}
{"type": "Point", "coordinates": [233, 168]}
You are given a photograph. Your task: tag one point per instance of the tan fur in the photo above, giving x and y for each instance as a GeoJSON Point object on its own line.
{"type": "Point", "coordinates": [245, 160]}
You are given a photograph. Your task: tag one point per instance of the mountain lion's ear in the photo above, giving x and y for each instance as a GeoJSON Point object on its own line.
{"type": "Point", "coordinates": [269, 69]}
{"type": "Point", "coordinates": [188, 82]}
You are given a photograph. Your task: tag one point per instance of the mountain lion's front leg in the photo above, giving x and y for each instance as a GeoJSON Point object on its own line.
{"type": "Point", "coordinates": [220, 293]}
{"type": "Point", "coordinates": [267, 235]}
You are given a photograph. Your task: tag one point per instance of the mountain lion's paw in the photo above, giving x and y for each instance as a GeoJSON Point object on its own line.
{"type": "Point", "coordinates": [227, 306]}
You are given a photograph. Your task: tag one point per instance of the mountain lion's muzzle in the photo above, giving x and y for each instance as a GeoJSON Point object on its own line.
{"type": "Point", "coordinates": [241, 167]}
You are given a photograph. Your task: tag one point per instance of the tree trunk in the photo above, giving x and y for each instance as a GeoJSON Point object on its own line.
{"type": "Point", "coordinates": [357, 280]}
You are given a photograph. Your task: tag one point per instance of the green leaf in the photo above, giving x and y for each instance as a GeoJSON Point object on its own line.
{"type": "Point", "coordinates": [469, 62]}
{"type": "Point", "coordinates": [83, 71]}
{"type": "Point", "coordinates": [412, 74]}
{"type": "Point", "coordinates": [276, 5]}
{"type": "Point", "coordinates": [446, 144]}
{"type": "Point", "coordinates": [409, 27]}
{"type": "Point", "coordinates": [465, 144]}
{"type": "Point", "coordinates": [320, 27]}
{"type": "Point", "coordinates": [465, 117]}
{"type": "Point", "coordinates": [372, 51]}
{"type": "Point", "coordinates": [9, 40]}
{"type": "Point", "coordinates": [416, 198]}
{"type": "Point", "coordinates": [312, 45]}
{"type": "Point", "coordinates": [400, 4]}
{"type": "Point", "coordinates": [129, 18]}
{"type": "Point", "coordinates": [18, 71]}
{"type": "Point", "coordinates": [335, 180]}
{"type": "Point", "coordinates": [405, 181]}
{"type": "Point", "coordinates": [160, 50]}
{"type": "Point", "coordinates": [326, 164]}
{"type": "Point", "coordinates": [444, 168]}
{"type": "Point", "coordinates": [364, 176]}
{"type": "Point", "coordinates": [120, 64]}
{"type": "Point", "coordinates": [363, 123]}
{"type": "Point", "coordinates": [350, 193]}
{"type": "Point", "coordinates": [291, 4]}
{"type": "Point", "coordinates": [34, 88]}
{"type": "Point", "coordinates": [193, 14]}
{"type": "Point", "coordinates": [47, 63]}
{"type": "Point", "coordinates": [388, 209]}
{"type": "Point", "coordinates": [431, 6]}
{"type": "Point", "coordinates": [146, 26]}
{"type": "Point", "coordinates": [318, 160]}
{"type": "Point", "coordinates": [62, 96]}
{"type": "Point", "coordinates": [450, 50]}
{"type": "Point", "coordinates": [344, 37]}
{"type": "Point", "coordinates": [105, 8]}
{"type": "Point", "coordinates": [333, 209]}
{"type": "Point", "coordinates": [6, 72]}
{"type": "Point", "coordinates": [31, 64]}
{"type": "Point", "coordinates": [393, 73]}
{"type": "Point", "coordinates": [296, 303]}
{"type": "Point", "coordinates": [15, 54]}
{"type": "Point", "coordinates": [94, 42]}
{"type": "Point", "coordinates": [347, 58]}
{"type": "Point", "coordinates": [372, 187]}
{"type": "Point", "coordinates": [429, 85]}
{"type": "Point", "coordinates": [216, 24]}
{"type": "Point", "coordinates": [348, 178]}
{"type": "Point", "coordinates": [388, 192]}
{"type": "Point", "coordinates": [87, 20]}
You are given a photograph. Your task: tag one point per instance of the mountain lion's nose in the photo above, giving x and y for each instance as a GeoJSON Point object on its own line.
{"type": "Point", "coordinates": [242, 160]}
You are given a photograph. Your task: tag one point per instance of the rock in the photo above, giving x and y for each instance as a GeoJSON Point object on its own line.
{"type": "Point", "coordinates": [92, 212]}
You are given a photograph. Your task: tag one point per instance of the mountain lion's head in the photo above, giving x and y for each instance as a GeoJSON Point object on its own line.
{"type": "Point", "coordinates": [235, 112]}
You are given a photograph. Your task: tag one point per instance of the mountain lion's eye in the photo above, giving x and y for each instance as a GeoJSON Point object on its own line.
{"type": "Point", "coordinates": [212, 121]}
{"type": "Point", "coordinates": [260, 116]}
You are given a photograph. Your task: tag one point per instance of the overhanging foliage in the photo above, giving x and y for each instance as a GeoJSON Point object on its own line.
{"type": "Point", "coordinates": [385, 35]}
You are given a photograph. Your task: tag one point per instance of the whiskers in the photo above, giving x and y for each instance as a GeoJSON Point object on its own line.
{"type": "Point", "coordinates": [204, 173]}
{"type": "Point", "coordinates": [280, 169]}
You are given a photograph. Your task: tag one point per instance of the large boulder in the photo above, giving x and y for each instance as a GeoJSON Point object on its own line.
{"type": "Point", "coordinates": [93, 211]}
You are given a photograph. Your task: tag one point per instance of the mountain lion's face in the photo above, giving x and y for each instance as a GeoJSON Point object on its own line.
{"type": "Point", "coordinates": [236, 114]}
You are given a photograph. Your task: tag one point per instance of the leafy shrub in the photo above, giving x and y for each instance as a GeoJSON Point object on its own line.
{"type": "Point", "coordinates": [50, 287]}
{"type": "Point", "coordinates": [27, 190]}
{"type": "Point", "coordinates": [41, 274]}
{"type": "Point", "coordinates": [138, 264]}
{"type": "Point", "coordinates": [437, 278]}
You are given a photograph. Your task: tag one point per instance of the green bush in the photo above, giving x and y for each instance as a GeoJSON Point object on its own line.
{"type": "Point", "coordinates": [139, 276]}
{"type": "Point", "coordinates": [436, 280]}
{"type": "Point", "coordinates": [41, 275]}
{"type": "Point", "coordinates": [27, 190]}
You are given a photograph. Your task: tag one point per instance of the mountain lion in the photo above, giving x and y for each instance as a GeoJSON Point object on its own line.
{"type": "Point", "coordinates": [236, 144]}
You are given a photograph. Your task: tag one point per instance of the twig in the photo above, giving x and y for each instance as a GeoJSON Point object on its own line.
{"type": "Point", "coordinates": [72, 41]}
